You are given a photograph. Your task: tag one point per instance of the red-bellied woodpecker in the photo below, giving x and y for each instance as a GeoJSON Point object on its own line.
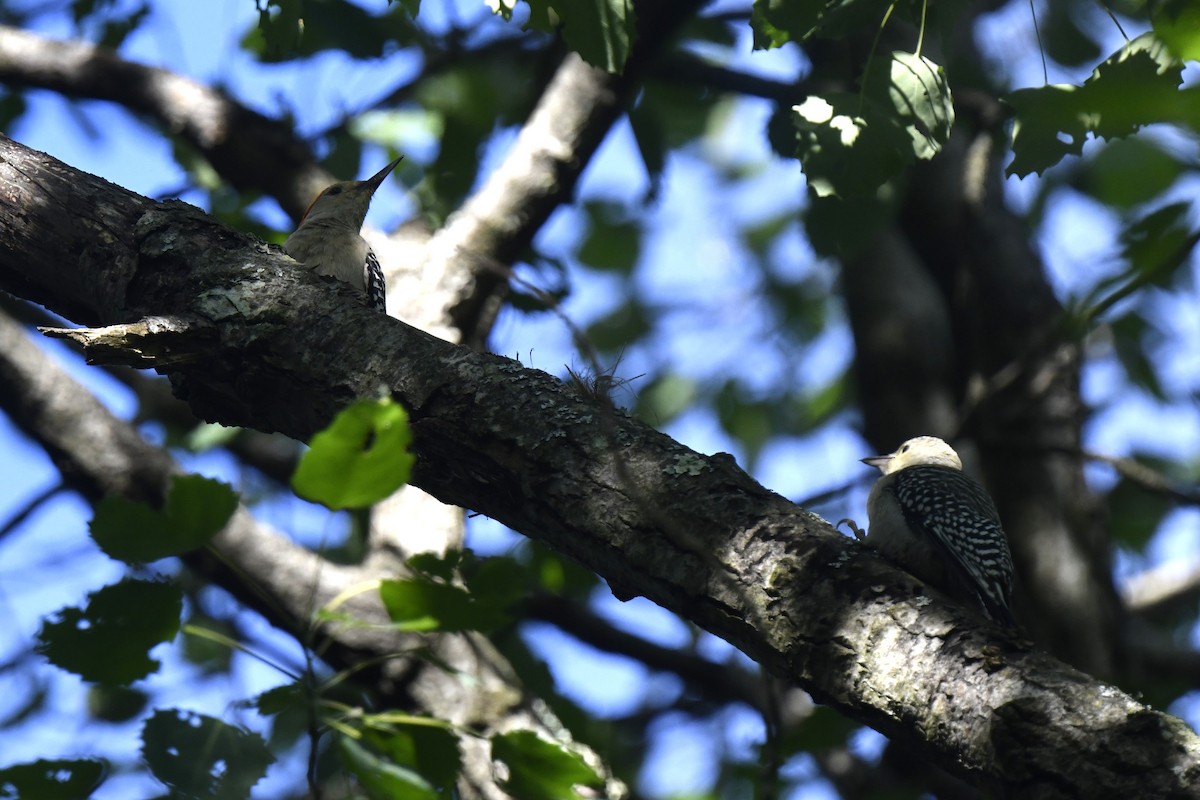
{"type": "Point", "coordinates": [937, 523]}
{"type": "Point", "coordinates": [328, 239]}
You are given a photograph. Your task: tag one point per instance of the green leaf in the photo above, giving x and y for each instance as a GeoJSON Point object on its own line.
{"type": "Point", "coordinates": [499, 581]}
{"type": "Point", "coordinates": [1158, 243]}
{"type": "Point", "coordinates": [360, 459]}
{"type": "Point", "coordinates": [621, 327]}
{"type": "Point", "coordinates": [301, 28]}
{"type": "Point", "coordinates": [109, 641]}
{"type": "Point", "coordinates": [197, 508]}
{"type": "Point", "coordinates": [53, 779]}
{"type": "Point", "coordinates": [281, 698]}
{"type": "Point", "coordinates": [601, 31]}
{"type": "Point", "coordinates": [1137, 86]}
{"type": "Point", "coordinates": [777, 22]}
{"type": "Point", "coordinates": [116, 30]}
{"type": "Point", "coordinates": [201, 757]}
{"type": "Point", "coordinates": [1177, 24]}
{"type": "Point", "coordinates": [1155, 247]}
{"type": "Point", "coordinates": [541, 770]}
{"type": "Point", "coordinates": [665, 398]}
{"type": "Point", "coordinates": [281, 30]}
{"type": "Point", "coordinates": [559, 575]}
{"type": "Point", "coordinates": [1130, 335]}
{"type": "Point", "coordinates": [115, 703]}
{"type": "Point", "coordinates": [427, 747]}
{"type": "Point", "coordinates": [435, 565]}
{"type": "Point", "coordinates": [1129, 172]}
{"type": "Point", "coordinates": [749, 421]}
{"type": "Point", "coordinates": [915, 90]}
{"type": "Point", "coordinates": [209, 435]}
{"type": "Point", "coordinates": [821, 730]}
{"type": "Point", "coordinates": [848, 146]}
{"type": "Point", "coordinates": [383, 779]}
{"type": "Point", "coordinates": [1134, 513]}
{"type": "Point", "coordinates": [503, 8]}
{"type": "Point", "coordinates": [424, 605]}
{"type": "Point", "coordinates": [612, 243]}
{"type": "Point", "coordinates": [291, 709]}
{"type": "Point", "coordinates": [818, 407]}
{"type": "Point", "coordinates": [842, 227]}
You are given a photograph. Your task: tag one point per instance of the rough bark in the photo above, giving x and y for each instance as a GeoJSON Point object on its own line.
{"type": "Point", "coordinates": [99, 454]}
{"type": "Point", "coordinates": [690, 532]}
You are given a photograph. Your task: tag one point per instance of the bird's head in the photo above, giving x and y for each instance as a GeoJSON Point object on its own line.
{"type": "Point", "coordinates": [921, 451]}
{"type": "Point", "coordinates": [347, 201]}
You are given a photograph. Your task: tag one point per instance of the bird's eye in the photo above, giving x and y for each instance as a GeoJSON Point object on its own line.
{"type": "Point", "coordinates": [904, 449]}
{"type": "Point", "coordinates": [332, 190]}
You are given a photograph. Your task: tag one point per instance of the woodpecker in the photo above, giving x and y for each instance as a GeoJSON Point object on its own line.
{"type": "Point", "coordinates": [932, 519]}
{"type": "Point", "coordinates": [328, 238]}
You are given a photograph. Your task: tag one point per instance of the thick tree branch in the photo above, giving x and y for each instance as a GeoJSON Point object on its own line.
{"type": "Point", "coordinates": [100, 455]}
{"type": "Point", "coordinates": [692, 533]}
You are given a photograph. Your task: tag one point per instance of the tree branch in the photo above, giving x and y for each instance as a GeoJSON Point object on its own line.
{"type": "Point", "coordinates": [251, 151]}
{"type": "Point", "coordinates": [497, 224]}
{"type": "Point", "coordinates": [100, 455]}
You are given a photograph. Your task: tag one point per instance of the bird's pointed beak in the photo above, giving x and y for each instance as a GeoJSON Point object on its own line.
{"type": "Point", "coordinates": [876, 461]}
{"type": "Point", "coordinates": [377, 179]}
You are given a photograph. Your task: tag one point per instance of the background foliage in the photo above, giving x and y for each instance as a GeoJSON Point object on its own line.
{"type": "Point", "coordinates": [710, 272]}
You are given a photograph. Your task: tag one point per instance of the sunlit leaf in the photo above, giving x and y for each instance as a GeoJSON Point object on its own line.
{"type": "Point", "coordinates": [209, 435]}
{"type": "Point", "coordinates": [665, 398]}
{"type": "Point", "coordinates": [361, 458]}
{"type": "Point", "coordinates": [848, 146]}
{"type": "Point", "coordinates": [381, 778]}
{"type": "Point", "coordinates": [428, 747]}
{"type": "Point", "coordinates": [918, 96]}
{"type": "Point", "coordinates": [541, 770]}
{"type": "Point", "coordinates": [1177, 24]}
{"type": "Point", "coordinates": [426, 605]}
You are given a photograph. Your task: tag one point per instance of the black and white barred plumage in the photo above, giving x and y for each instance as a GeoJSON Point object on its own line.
{"type": "Point", "coordinates": [939, 524]}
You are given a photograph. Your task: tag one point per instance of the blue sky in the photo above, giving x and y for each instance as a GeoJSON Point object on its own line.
{"type": "Point", "coordinates": [690, 264]}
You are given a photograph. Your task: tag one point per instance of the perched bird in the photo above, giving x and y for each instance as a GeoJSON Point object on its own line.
{"type": "Point", "coordinates": [932, 519]}
{"type": "Point", "coordinates": [328, 239]}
